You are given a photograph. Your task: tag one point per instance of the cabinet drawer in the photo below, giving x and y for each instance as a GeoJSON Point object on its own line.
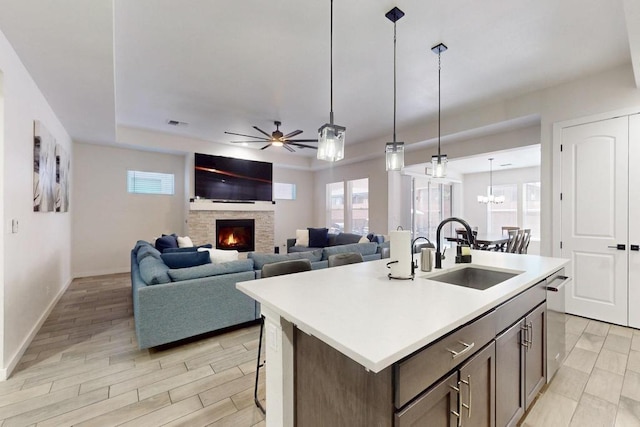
{"type": "Point", "coordinates": [514, 309]}
{"type": "Point", "coordinates": [419, 371]}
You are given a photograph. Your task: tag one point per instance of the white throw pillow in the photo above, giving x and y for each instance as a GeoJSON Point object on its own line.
{"type": "Point", "coordinates": [302, 237]}
{"type": "Point", "coordinates": [220, 255]}
{"type": "Point", "coordinates": [185, 242]}
{"type": "Point", "coordinates": [363, 239]}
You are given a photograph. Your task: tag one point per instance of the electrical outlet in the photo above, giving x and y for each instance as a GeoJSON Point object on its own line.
{"type": "Point", "coordinates": [14, 226]}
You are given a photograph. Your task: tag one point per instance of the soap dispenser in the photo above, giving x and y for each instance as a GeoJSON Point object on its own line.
{"type": "Point", "coordinates": [463, 254]}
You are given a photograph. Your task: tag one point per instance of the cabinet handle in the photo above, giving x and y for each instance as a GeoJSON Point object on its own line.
{"type": "Point", "coordinates": [525, 336]}
{"type": "Point", "coordinates": [456, 354]}
{"type": "Point", "coordinates": [635, 247]}
{"type": "Point", "coordinates": [468, 384]}
{"type": "Point", "coordinates": [619, 246]}
{"type": "Point", "coordinates": [459, 412]}
{"type": "Point", "coordinates": [530, 327]}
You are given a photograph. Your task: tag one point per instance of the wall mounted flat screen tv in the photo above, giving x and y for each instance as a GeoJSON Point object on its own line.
{"type": "Point", "coordinates": [228, 179]}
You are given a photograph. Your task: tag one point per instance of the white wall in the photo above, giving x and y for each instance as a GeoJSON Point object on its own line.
{"type": "Point", "coordinates": [107, 220]}
{"type": "Point", "coordinates": [372, 169]}
{"type": "Point", "coordinates": [291, 215]}
{"type": "Point", "coordinates": [36, 259]}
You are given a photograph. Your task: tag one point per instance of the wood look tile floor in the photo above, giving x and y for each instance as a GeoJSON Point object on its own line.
{"type": "Point", "coordinates": [84, 368]}
{"type": "Point", "coordinates": [599, 382]}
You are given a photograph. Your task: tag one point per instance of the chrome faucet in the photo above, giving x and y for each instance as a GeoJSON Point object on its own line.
{"type": "Point", "coordinates": [452, 219]}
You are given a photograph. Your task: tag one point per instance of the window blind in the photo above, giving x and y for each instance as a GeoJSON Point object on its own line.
{"type": "Point", "coordinates": [140, 182]}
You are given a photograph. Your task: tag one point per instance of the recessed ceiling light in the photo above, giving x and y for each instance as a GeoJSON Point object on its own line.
{"type": "Point", "coordinates": [176, 123]}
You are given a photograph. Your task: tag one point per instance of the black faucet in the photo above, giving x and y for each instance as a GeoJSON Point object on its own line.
{"type": "Point", "coordinates": [452, 219]}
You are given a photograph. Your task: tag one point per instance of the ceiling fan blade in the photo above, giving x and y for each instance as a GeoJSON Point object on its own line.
{"type": "Point", "coordinates": [286, 145]}
{"type": "Point", "coordinates": [266, 146]}
{"type": "Point", "coordinates": [302, 140]}
{"type": "Point", "coordinates": [246, 142]}
{"type": "Point", "coordinates": [261, 131]}
{"type": "Point", "coordinates": [302, 145]}
{"type": "Point", "coordinates": [249, 136]}
{"type": "Point", "coordinates": [292, 134]}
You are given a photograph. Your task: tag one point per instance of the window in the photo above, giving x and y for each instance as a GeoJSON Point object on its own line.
{"type": "Point", "coordinates": [531, 207]}
{"type": "Point", "coordinates": [350, 213]}
{"type": "Point", "coordinates": [335, 207]}
{"type": "Point", "coordinates": [284, 191]}
{"type": "Point", "coordinates": [150, 182]}
{"type": "Point", "coordinates": [432, 205]}
{"type": "Point", "coordinates": [504, 213]}
{"type": "Point", "coordinates": [359, 197]}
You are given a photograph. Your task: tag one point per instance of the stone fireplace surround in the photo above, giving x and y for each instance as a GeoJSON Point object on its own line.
{"type": "Point", "coordinates": [202, 218]}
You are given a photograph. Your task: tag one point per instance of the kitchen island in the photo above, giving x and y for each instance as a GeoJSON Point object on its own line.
{"type": "Point", "coordinates": [374, 324]}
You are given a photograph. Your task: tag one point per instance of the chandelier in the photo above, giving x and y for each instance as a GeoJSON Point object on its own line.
{"type": "Point", "coordinates": [490, 198]}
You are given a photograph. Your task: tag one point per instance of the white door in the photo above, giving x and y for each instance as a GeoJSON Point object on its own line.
{"type": "Point", "coordinates": [634, 218]}
{"type": "Point", "coordinates": [594, 218]}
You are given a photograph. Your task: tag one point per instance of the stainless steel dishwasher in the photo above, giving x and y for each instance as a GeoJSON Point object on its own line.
{"type": "Point", "coordinates": [556, 351]}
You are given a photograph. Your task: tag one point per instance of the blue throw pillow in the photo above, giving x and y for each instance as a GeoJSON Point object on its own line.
{"type": "Point", "coordinates": [165, 242]}
{"type": "Point", "coordinates": [318, 237]}
{"type": "Point", "coordinates": [185, 259]}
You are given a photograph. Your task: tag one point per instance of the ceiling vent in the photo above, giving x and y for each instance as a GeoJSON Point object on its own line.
{"type": "Point", "coordinates": [177, 123]}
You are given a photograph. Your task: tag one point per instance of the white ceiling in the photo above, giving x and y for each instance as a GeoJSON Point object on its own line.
{"type": "Point", "coordinates": [227, 65]}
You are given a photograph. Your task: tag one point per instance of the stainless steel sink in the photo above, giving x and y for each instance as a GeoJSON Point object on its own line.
{"type": "Point", "coordinates": [473, 277]}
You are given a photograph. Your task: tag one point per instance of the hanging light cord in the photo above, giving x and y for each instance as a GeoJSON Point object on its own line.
{"type": "Point", "coordinates": [491, 177]}
{"type": "Point", "coordinates": [394, 85]}
{"type": "Point", "coordinates": [439, 90]}
{"type": "Point", "coordinates": [331, 62]}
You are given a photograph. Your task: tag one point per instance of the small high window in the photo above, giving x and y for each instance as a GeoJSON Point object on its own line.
{"type": "Point", "coordinates": [150, 183]}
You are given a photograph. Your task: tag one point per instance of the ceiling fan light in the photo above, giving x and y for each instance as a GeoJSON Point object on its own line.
{"type": "Point", "coordinates": [439, 166]}
{"type": "Point", "coordinates": [331, 142]}
{"type": "Point", "coordinates": [277, 143]}
{"type": "Point", "coordinates": [394, 153]}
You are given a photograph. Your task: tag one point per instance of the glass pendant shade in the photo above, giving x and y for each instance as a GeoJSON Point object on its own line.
{"type": "Point", "coordinates": [439, 166]}
{"type": "Point", "coordinates": [331, 142]}
{"type": "Point", "coordinates": [394, 156]}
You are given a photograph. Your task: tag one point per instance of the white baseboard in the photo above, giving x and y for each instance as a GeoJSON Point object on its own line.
{"type": "Point", "coordinates": [6, 372]}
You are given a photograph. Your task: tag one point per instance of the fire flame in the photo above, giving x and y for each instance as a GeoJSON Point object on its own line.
{"type": "Point", "coordinates": [231, 240]}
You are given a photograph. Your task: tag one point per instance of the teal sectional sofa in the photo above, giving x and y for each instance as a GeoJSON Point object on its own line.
{"type": "Point", "coordinates": [173, 304]}
{"type": "Point", "coordinates": [170, 305]}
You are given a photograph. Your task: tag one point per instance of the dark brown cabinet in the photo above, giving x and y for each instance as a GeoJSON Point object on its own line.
{"type": "Point", "coordinates": [520, 366]}
{"type": "Point", "coordinates": [465, 398]}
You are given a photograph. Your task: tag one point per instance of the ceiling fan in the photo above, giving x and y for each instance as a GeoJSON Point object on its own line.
{"type": "Point", "coordinates": [277, 138]}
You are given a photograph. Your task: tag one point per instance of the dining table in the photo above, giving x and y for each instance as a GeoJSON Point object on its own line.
{"type": "Point", "coordinates": [486, 242]}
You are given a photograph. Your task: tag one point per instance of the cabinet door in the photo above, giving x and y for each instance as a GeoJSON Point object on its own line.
{"type": "Point", "coordinates": [478, 389]}
{"type": "Point", "coordinates": [436, 407]}
{"type": "Point", "coordinates": [535, 352]}
{"type": "Point", "coordinates": [510, 376]}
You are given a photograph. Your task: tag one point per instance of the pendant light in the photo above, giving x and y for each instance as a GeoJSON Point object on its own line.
{"type": "Point", "coordinates": [394, 150]}
{"type": "Point", "coordinates": [490, 198]}
{"type": "Point", "coordinates": [439, 162]}
{"type": "Point", "coordinates": [331, 136]}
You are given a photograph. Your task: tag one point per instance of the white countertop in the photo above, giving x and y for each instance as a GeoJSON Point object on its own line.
{"type": "Point", "coordinates": [376, 321]}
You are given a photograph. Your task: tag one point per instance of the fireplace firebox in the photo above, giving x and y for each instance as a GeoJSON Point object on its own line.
{"type": "Point", "coordinates": [238, 234]}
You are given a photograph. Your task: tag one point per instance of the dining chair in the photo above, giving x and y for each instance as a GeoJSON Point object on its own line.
{"type": "Point", "coordinates": [513, 242]}
{"type": "Point", "coordinates": [345, 258]}
{"type": "Point", "coordinates": [506, 228]}
{"type": "Point", "coordinates": [271, 270]}
{"type": "Point", "coordinates": [524, 241]}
